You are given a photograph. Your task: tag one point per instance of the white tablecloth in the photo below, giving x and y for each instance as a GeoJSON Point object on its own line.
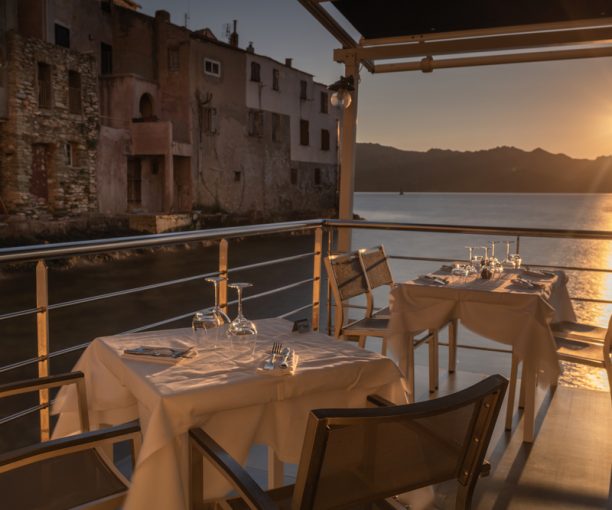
{"type": "Point", "coordinates": [222, 391]}
{"type": "Point", "coordinates": [497, 309]}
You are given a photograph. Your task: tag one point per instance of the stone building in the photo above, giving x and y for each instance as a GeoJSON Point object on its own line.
{"type": "Point", "coordinates": [49, 127]}
{"type": "Point", "coordinates": [104, 109]}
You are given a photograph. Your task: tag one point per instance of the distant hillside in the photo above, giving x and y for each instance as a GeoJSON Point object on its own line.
{"type": "Point", "coordinates": [503, 169]}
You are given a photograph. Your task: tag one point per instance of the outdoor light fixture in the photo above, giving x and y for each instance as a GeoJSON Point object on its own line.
{"type": "Point", "coordinates": [342, 92]}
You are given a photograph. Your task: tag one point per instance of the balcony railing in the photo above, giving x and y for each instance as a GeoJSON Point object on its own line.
{"type": "Point", "coordinates": [41, 254]}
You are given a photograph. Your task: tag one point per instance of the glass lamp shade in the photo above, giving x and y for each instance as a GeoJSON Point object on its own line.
{"type": "Point", "coordinates": [341, 98]}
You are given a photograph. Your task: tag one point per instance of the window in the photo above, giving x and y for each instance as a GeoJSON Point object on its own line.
{"type": "Point", "coordinates": [145, 106]}
{"type": "Point", "coordinates": [324, 140]}
{"type": "Point", "coordinates": [255, 72]}
{"type": "Point", "coordinates": [304, 135]}
{"type": "Point", "coordinates": [294, 176]}
{"type": "Point", "coordinates": [317, 176]}
{"type": "Point", "coordinates": [237, 176]}
{"type": "Point", "coordinates": [255, 123]}
{"type": "Point", "coordinates": [324, 102]}
{"type": "Point", "coordinates": [134, 183]}
{"type": "Point", "coordinates": [105, 5]}
{"type": "Point", "coordinates": [70, 154]}
{"type": "Point", "coordinates": [74, 92]}
{"type": "Point", "coordinates": [174, 62]}
{"type": "Point", "coordinates": [276, 127]}
{"type": "Point", "coordinates": [209, 120]}
{"type": "Point", "coordinates": [106, 58]}
{"type": "Point", "coordinates": [62, 36]}
{"type": "Point", "coordinates": [275, 79]}
{"type": "Point", "coordinates": [44, 85]}
{"type": "Point", "coordinates": [303, 89]}
{"type": "Point", "coordinates": [212, 67]}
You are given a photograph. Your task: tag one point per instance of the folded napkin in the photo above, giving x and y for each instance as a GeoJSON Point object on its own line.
{"type": "Point", "coordinates": [160, 354]}
{"type": "Point", "coordinates": [284, 364]}
{"type": "Point", "coordinates": [440, 280]}
{"type": "Point", "coordinates": [528, 284]}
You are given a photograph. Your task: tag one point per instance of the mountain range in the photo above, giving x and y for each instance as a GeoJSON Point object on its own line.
{"type": "Point", "coordinates": [502, 169]}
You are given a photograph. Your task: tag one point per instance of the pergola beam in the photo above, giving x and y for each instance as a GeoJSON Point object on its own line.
{"type": "Point", "coordinates": [330, 24]}
{"type": "Point", "coordinates": [495, 31]}
{"type": "Point", "coordinates": [505, 42]}
{"type": "Point", "coordinates": [428, 65]}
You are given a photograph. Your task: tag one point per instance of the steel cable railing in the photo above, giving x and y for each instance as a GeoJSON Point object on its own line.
{"type": "Point", "coordinates": [42, 253]}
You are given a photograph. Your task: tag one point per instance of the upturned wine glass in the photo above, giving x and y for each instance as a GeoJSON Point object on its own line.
{"type": "Point", "coordinates": [218, 316]}
{"type": "Point", "coordinates": [242, 331]}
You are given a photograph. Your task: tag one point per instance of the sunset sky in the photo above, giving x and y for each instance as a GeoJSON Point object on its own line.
{"type": "Point", "coordinates": [562, 107]}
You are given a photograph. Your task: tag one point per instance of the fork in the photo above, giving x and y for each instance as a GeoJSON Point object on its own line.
{"type": "Point", "coordinates": [277, 347]}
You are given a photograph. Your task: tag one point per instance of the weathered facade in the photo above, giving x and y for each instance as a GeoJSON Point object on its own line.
{"type": "Point", "coordinates": [50, 136]}
{"type": "Point", "coordinates": [104, 109]}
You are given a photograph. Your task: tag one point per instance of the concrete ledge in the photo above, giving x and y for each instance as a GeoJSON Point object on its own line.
{"type": "Point", "coordinates": [158, 223]}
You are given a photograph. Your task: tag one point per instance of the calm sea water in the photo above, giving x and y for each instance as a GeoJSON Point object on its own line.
{"type": "Point", "coordinates": [557, 211]}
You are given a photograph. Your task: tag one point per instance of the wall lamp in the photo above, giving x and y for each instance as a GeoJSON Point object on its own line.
{"type": "Point", "coordinates": [342, 89]}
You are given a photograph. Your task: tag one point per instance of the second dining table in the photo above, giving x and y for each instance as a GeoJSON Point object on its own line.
{"type": "Point", "coordinates": [223, 390]}
{"type": "Point", "coordinates": [515, 308]}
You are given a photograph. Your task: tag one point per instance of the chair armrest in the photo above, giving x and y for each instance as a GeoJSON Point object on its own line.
{"type": "Point", "coordinates": [379, 401]}
{"type": "Point", "coordinates": [65, 445]}
{"type": "Point", "coordinates": [248, 489]}
{"type": "Point", "coordinates": [40, 383]}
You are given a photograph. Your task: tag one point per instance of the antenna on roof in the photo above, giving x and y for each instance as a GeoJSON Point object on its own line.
{"type": "Point", "coordinates": [187, 20]}
{"type": "Point", "coordinates": [227, 31]}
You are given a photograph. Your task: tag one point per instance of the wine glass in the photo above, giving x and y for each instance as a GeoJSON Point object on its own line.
{"type": "Point", "coordinates": [517, 260]}
{"type": "Point", "coordinates": [508, 262]}
{"type": "Point", "coordinates": [472, 261]}
{"type": "Point", "coordinates": [218, 316]}
{"type": "Point", "coordinates": [242, 331]}
{"type": "Point", "coordinates": [199, 326]}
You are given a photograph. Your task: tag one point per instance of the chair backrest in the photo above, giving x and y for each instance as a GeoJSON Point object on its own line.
{"type": "Point", "coordinates": [356, 456]}
{"type": "Point", "coordinates": [347, 280]}
{"type": "Point", "coordinates": [376, 266]}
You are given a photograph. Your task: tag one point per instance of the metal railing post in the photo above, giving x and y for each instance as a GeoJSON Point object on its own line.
{"type": "Point", "coordinates": [223, 245]}
{"type": "Point", "coordinates": [42, 330]}
{"type": "Point", "coordinates": [518, 244]}
{"type": "Point", "coordinates": [330, 242]}
{"type": "Point", "coordinates": [316, 277]}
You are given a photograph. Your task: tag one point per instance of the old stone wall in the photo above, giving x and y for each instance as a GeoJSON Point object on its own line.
{"type": "Point", "coordinates": [47, 152]}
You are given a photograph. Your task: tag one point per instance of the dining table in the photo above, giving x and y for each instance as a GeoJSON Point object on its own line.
{"type": "Point", "coordinates": [515, 307]}
{"type": "Point", "coordinates": [225, 389]}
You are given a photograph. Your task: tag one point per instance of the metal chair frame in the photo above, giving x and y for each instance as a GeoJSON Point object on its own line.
{"type": "Point", "coordinates": [486, 397]}
{"type": "Point", "coordinates": [87, 440]}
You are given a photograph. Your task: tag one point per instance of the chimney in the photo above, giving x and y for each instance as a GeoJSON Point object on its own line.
{"type": "Point", "coordinates": [162, 16]}
{"type": "Point", "coordinates": [288, 62]}
{"type": "Point", "coordinates": [233, 40]}
{"type": "Point", "coordinates": [250, 47]}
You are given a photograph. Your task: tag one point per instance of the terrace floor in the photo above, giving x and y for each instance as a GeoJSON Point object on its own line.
{"type": "Point", "coordinates": [569, 466]}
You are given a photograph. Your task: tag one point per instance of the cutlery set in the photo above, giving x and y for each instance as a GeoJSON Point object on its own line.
{"type": "Point", "coordinates": [286, 356]}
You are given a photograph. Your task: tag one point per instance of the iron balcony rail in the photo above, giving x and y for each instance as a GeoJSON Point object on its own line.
{"type": "Point", "coordinates": [41, 253]}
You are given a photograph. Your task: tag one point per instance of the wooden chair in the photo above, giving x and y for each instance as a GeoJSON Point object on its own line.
{"type": "Point", "coordinates": [69, 472]}
{"type": "Point", "coordinates": [358, 458]}
{"type": "Point", "coordinates": [348, 280]}
{"type": "Point", "coordinates": [576, 343]}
